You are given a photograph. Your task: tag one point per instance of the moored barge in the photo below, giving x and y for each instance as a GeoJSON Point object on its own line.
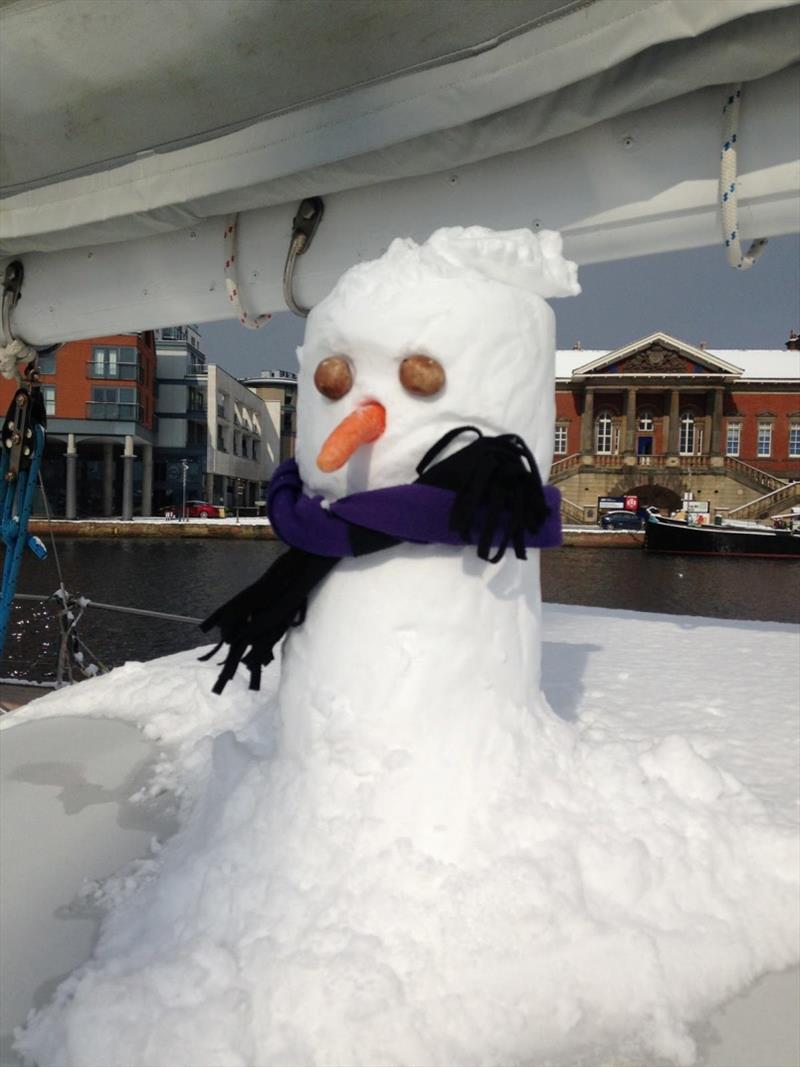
{"type": "Point", "coordinates": [671, 535]}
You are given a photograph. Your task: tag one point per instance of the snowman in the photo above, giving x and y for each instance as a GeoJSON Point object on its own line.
{"type": "Point", "coordinates": [417, 668]}
{"type": "Point", "coordinates": [409, 701]}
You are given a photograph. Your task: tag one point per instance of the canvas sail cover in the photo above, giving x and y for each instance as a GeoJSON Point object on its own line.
{"type": "Point", "coordinates": [124, 120]}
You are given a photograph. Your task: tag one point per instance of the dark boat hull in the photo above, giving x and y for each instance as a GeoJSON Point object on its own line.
{"type": "Point", "coordinates": [666, 536]}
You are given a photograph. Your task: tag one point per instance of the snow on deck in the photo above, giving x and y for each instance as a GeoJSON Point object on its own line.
{"type": "Point", "coordinates": [656, 873]}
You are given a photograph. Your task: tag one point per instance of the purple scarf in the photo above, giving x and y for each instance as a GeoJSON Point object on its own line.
{"type": "Point", "coordinates": [487, 494]}
{"type": "Point", "coordinates": [415, 512]}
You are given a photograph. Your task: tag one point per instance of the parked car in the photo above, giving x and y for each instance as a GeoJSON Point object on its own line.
{"type": "Point", "coordinates": [200, 509]}
{"type": "Point", "coordinates": [195, 509]}
{"type": "Point", "coordinates": [622, 520]}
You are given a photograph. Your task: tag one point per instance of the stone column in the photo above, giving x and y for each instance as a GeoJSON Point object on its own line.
{"type": "Point", "coordinates": [72, 478]}
{"type": "Point", "coordinates": [223, 488]}
{"type": "Point", "coordinates": [587, 422]}
{"type": "Point", "coordinates": [108, 479]}
{"type": "Point", "coordinates": [210, 487]}
{"type": "Point", "coordinates": [147, 479]}
{"type": "Point", "coordinates": [630, 421]}
{"type": "Point", "coordinates": [706, 449]}
{"type": "Point", "coordinates": [127, 479]}
{"type": "Point", "coordinates": [673, 438]}
{"type": "Point", "coordinates": [716, 422]}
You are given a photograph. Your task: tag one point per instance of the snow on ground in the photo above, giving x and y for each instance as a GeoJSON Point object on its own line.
{"type": "Point", "coordinates": [647, 871]}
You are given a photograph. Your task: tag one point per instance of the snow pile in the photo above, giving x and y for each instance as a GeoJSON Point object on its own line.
{"type": "Point", "coordinates": [604, 886]}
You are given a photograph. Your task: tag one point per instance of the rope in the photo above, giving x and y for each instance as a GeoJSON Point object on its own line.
{"type": "Point", "coordinates": [15, 352]}
{"type": "Point", "coordinates": [12, 349]}
{"type": "Point", "coordinates": [728, 192]}
{"type": "Point", "coordinates": [231, 280]}
{"type": "Point", "coordinates": [49, 518]}
{"type": "Point", "coordinates": [85, 602]}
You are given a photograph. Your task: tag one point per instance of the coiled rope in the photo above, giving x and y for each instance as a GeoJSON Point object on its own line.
{"type": "Point", "coordinates": [13, 350]}
{"type": "Point", "coordinates": [728, 192]}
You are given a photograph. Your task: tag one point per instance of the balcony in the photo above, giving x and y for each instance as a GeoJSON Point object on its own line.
{"type": "Point", "coordinates": [110, 412]}
{"type": "Point", "coordinates": [118, 372]}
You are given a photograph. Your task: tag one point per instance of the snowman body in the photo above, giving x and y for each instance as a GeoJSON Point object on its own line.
{"type": "Point", "coordinates": [421, 695]}
{"type": "Point", "coordinates": [416, 671]}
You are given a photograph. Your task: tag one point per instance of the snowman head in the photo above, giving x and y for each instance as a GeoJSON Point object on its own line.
{"type": "Point", "coordinates": [429, 337]}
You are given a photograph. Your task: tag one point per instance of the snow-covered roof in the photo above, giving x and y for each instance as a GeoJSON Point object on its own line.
{"type": "Point", "coordinates": [762, 362]}
{"type": "Point", "coordinates": [756, 364]}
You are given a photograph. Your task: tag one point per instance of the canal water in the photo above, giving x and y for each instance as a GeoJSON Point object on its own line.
{"type": "Point", "coordinates": [193, 577]}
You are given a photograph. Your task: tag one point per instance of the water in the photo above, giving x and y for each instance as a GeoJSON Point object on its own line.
{"type": "Point", "coordinates": [194, 577]}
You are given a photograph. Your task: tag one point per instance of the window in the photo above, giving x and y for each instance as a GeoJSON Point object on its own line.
{"type": "Point", "coordinates": [196, 366]}
{"type": "Point", "coordinates": [111, 402]}
{"type": "Point", "coordinates": [686, 444]}
{"type": "Point", "coordinates": [47, 363]}
{"type": "Point", "coordinates": [197, 434]}
{"type": "Point", "coordinates": [221, 440]}
{"type": "Point", "coordinates": [764, 439]}
{"type": "Point", "coordinates": [114, 362]}
{"type": "Point", "coordinates": [645, 423]}
{"type": "Point", "coordinates": [604, 425]}
{"type": "Point", "coordinates": [794, 439]}
{"type": "Point", "coordinates": [560, 448]}
{"type": "Point", "coordinates": [734, 439]}
{"type": "Point", "coordinates": [221, 405]}
{"type": "Point", "coordinates": [49, 397]}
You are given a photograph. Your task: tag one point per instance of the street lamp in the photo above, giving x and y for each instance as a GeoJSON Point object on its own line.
{"type": "Point", "coordinates": [185, 467]}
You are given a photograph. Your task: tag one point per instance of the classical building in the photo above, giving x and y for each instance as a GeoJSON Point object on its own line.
{"type": "Point", "coordinates": [660, 418]}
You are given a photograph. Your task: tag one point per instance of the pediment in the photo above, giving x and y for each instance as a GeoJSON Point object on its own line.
{"type": "Point", "coordinates": [659, 354]}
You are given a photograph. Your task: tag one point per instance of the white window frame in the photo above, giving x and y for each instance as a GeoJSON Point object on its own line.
{"type": "Point", "coordinates": [794, 445]}
{"type": "Point", "coordinates": [765, 441]}
{"type": "Point", "coordinates": [604, 433]}
{"type": "Point", "coordinates": [49, 398]}
{"type": "Point", "coordinates": [687, 436]}
{"type": "Point", "coordinates": [733, 429]}
{"type": "Point", "coordinates": [561, 439]}
{"type": "Point", "coordinates": [646, 420]}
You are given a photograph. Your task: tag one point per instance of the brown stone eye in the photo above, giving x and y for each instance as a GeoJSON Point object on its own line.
{"type": "Point", "coordinates": [334, 377]}
{"type": "Point", "coordinates": [422, 375]}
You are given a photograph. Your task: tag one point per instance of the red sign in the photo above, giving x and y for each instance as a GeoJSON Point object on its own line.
{"type": "Point", "coordinates": [631, 503]}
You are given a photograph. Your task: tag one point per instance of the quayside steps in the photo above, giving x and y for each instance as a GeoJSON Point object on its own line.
{"type": "Point", "coordinates": [750, 475]}
{"type": "Point", "coordinates": [762, 506]}
{"type": "Point", "coordinates": [571, 512]}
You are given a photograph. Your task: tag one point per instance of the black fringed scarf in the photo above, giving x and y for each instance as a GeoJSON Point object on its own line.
{"type": "Point", "coordinates": [488, 494]}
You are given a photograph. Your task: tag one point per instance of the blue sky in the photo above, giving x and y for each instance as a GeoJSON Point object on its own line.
{"type": "Point", "coordinates": [692, 295]}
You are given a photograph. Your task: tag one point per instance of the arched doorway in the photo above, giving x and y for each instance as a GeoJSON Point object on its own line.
{"type": "Point", "coordinates": [657, 496]}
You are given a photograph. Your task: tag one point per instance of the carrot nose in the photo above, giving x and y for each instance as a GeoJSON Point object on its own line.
{"type": "Point", "coordinates": [360, 427]}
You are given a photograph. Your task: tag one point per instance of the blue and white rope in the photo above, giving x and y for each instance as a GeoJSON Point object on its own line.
{"type": "Point", "coordinates": [728, 192]}
{"type": "Point", "coordinates": [231, 281]}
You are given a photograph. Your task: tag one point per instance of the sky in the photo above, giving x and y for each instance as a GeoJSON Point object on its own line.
{"type": "Point", "coordinates": [692, 295]}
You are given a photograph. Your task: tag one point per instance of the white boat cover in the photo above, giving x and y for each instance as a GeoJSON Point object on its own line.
{"type": "Point", "coordinates": [123, 120]}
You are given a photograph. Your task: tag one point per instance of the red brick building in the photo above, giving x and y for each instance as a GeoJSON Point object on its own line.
{"type": "Point", "coordinates": [660, 417]}
{"type": "Point", "coordinates": [100, 400]}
